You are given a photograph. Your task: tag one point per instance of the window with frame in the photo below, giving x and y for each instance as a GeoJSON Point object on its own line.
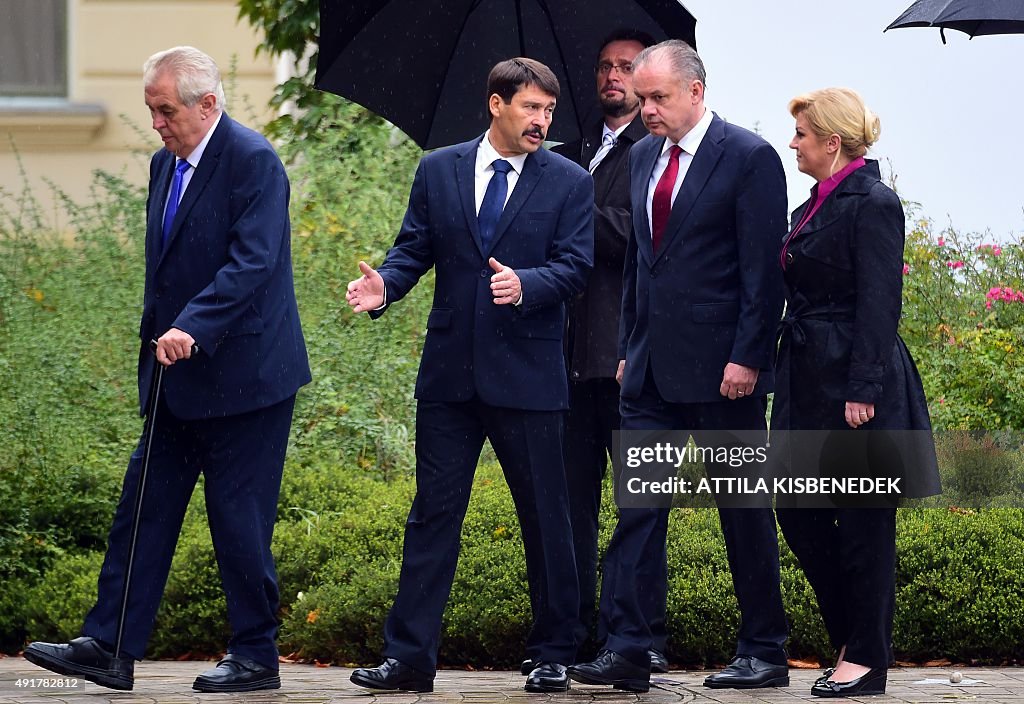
{"type": "Point", "coordinates": [33, 48]}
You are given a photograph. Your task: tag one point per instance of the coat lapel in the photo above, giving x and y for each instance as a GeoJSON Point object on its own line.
{"type": "Point", "coordinates": [207, 167]}
{"type": "Point", "coordinates": [701, 168]}
{"type": "Point", "coordinates": [465, 175]}
{"type": "Point", "coordinates": [604, 174]}
{"type": "Point", "coordinates": [157, 200]}
{"type": "Point", "coordinates": [860, 181]}
{"type": "Point", "coordinates": [647, 155]}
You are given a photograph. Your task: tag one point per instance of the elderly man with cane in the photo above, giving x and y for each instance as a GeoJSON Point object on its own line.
{"type": "Point", "coordinates": [220, 306]}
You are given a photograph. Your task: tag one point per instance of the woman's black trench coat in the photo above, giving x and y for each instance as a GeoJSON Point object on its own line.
{"type": "Point", "coordinates": [838, 342]}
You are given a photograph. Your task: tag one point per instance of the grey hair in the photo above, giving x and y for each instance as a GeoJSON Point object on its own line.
{"type": "Point", "coordinates": [195, 74]}
{"type": "Point", "coordinates": [681, 56]}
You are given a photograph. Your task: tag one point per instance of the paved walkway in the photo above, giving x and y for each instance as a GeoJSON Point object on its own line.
{"type": "Point", "coordinates": [160, 682]}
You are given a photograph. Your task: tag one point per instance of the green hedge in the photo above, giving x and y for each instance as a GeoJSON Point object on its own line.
{"type": "Point", "coordinates": [959, 579]}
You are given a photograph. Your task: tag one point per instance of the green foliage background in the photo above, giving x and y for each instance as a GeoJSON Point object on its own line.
{"type": "Point", "coordinates": [68, 347]}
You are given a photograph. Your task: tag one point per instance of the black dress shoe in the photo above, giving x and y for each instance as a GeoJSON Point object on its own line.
{"type": "Point", "coordinates": [526, 666]}
{"type": "Point", "coordinates": [547, 677]}
{"type": "Point", "coordinates": [659, 663]}
{"type": "Point", "coordinates": [393, 675]}
{"type": "Point", "coordinates": [746, 672]}
{"type": "Point", "coordinates": [237, 673]}
{"type": "Point", "coordinates": [871, 682]}
{"type": "Point", "coordinates": [86, 658]}
{"type": "Point", "coordinates": [613, 669]}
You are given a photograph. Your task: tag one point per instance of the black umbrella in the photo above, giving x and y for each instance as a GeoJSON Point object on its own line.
{"type": "Point", "coordinates": [973, 17]}
{"type": "Point", "coordinates": [423, 64]}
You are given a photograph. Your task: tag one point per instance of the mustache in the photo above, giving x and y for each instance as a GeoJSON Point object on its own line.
{"type": "Point", "coordinates": [535, 131]}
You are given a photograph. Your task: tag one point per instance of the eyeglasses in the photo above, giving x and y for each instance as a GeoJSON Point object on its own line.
{"type": "Point", "coordinates": [604, 68]}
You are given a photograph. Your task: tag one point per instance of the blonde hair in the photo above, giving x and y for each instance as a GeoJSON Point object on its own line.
{"type": "Point", "coordinates": [195, 74]}
{"type": "Point", "coordinates": [839, 111]}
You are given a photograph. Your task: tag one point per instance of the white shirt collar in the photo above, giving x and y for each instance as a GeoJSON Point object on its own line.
{"type": "Point", "coordinates": [690, 141]}
{"type": "Point", "coordinates": [197, 153]}
{"type": "Point", "coordinates": [486, 154]}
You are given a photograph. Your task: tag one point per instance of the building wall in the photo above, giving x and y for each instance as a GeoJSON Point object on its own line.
{"type": "Point", "coordinates": [104, 124]}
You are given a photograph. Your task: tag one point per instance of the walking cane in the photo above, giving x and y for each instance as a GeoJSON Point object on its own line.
{"type": "Point", "coordinates": [154, 398]}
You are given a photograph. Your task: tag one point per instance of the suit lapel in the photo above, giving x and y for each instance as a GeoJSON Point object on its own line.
{"type": "Point", "coordinates": [589, 147]}
{"type": "Point", "coordinates": [860, 181]}
{"type": "Point", "coordinates": [207, 167]}
{"type": "Point", "coordinates": [703, 164]}
{"type": "Point", "coordinates": [157, 200]}
{"type": "Point", "coordinates": [533, 171]}
{"type": "Point", "coordinates": [648, 153]}
{"type": "Point", "coordinates": [465, 176]}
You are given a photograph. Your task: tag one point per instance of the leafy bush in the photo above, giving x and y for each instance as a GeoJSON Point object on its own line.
{"type": "Point", "coordinates": [963, 319]}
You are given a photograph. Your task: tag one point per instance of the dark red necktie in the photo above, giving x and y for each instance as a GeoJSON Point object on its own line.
{"type": "Point", "coordinates": [661, 204]}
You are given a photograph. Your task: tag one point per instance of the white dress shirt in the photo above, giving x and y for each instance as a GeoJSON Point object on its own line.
{"type": "Point", "coordinates": [689, 144]}
{"type": "Point", "coordinates": [485, 156]}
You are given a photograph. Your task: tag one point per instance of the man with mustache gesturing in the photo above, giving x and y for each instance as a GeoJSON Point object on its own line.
{"type": "Point", "coordinates": [508, 229]}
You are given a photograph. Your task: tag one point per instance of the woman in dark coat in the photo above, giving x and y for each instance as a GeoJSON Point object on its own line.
{"type": "Point", "coordinates": [848, 399]}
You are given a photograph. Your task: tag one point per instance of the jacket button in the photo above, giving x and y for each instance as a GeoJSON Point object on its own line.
{"type": "Point", "coordinates": [575, 375]}
{"type": "Point", "coordinates": [484, 273]}
{"type": "Point", "coordinates": [789, 257]}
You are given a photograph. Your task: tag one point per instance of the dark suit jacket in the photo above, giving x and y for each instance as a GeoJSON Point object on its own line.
{"type": "Point", "coordinates": [594, 314]}
{"type": "Point", "coordinates": [505, 355]}
{"type": "Point", "coordinates": [225, 278]}
{"type": "Point", "coordinates": [712, 293]}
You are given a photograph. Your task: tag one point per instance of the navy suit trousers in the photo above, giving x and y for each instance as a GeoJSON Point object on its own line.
{"type": "Point", "coordinates": [635, 569]}
{"type": "Point", "coordinates": [241, 458]}
{"type": "Point", "coordinates": [589, 426]}
{"type": "Point", "coordinates": [528, 444]}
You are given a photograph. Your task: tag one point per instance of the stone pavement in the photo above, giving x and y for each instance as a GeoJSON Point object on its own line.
{"type": "Point", "coordinates": [163, 682]}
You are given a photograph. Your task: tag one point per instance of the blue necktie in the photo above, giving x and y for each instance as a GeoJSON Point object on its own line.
{"type": "Point", "coordinates": [493, 202]}
{"type": "Point", "coordinates": [172, 200]}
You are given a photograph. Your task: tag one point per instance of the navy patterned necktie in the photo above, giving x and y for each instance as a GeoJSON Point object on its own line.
{"type": "Point", "coordinates": [493, 202]}
{"type": "Point", "coordinates": [174, 197]}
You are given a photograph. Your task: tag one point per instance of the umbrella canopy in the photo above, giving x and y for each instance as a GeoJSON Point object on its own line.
{"type": "Point", "coordinates": [973, 17]}
{"type": "Point", "coordinates": [423, 64]}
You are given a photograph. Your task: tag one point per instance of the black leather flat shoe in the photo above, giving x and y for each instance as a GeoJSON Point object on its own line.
{"type": "Point", "coordinates": [547, 677]}
{"type": "Point", "coordinates": [659, 663]}
{"type": "Point", "coordinates": [86, 658]}
{"type": "Point", "coordinates": [612, 669]}
{"type": "Point", "coordinates": [393, 675]}
{"type": "Point", "coordinates": [237, 673]}
{"type": "Point", "coordinates": [871, 682]}
{"type": "Point", "coordinates": [749, 673]}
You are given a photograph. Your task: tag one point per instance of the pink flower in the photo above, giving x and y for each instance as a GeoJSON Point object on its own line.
{"type": "Point", "coordinates": [955, 265]}
{"type": "Point", "coordinates": [997, 250]}
{"type": "Point", "coordinates": [942, 241]}
{"type": "Point", "coordinates": [942, 400]}
{"type": "Point", "coordinates": [906, 268]}
{"type": "Point", "coordinates": [1005, 294]}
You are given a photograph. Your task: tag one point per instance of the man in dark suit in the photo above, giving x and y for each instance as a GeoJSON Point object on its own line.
{"type": "Point", "coordinates": [701, 302]}
{"type": "Point", "coordinates": [218, 276]}
{"type": "Point", "coordinates": [508, 229]}
{"type": "Point", "coordinates": [592, 340]}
